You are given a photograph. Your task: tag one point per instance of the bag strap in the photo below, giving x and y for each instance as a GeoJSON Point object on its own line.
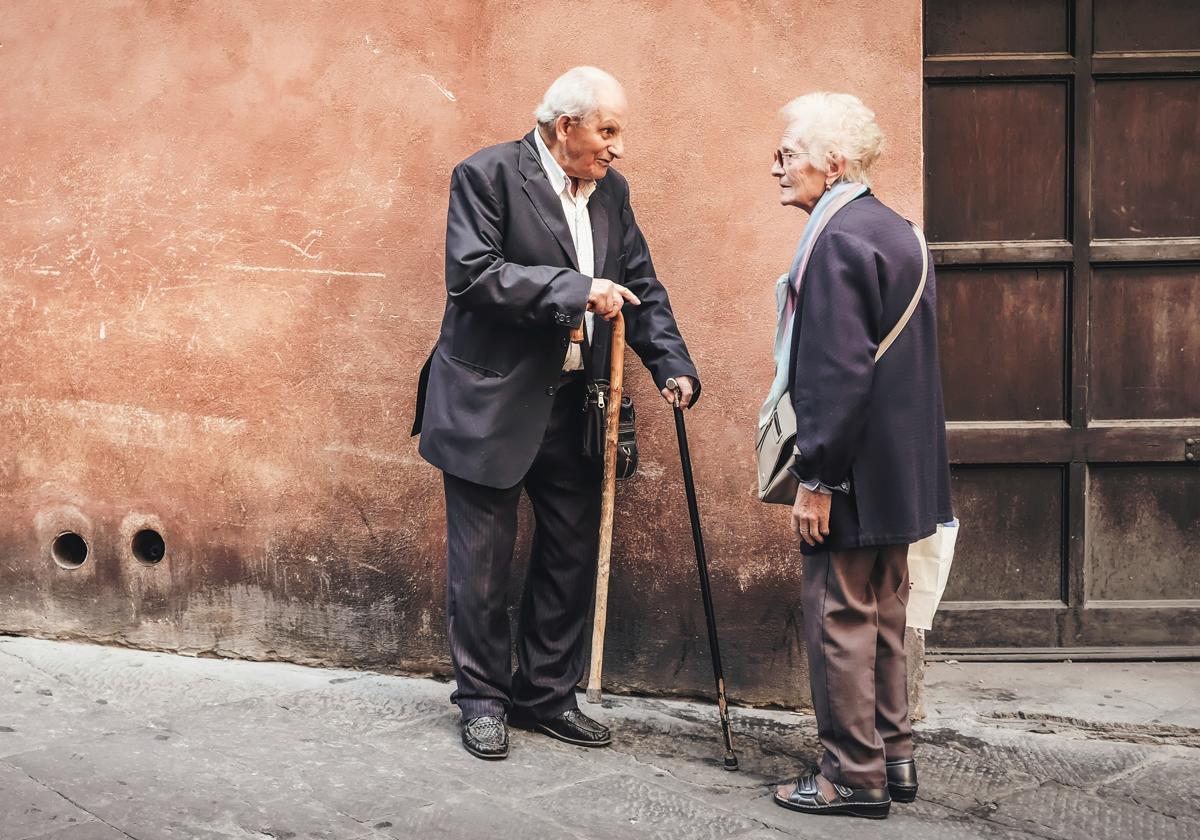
{"type": "Point", "coordinates": [912, 304]}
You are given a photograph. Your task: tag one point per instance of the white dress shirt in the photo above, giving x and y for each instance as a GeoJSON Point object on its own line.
{"type": "Point", "coordinates": [575, 208]}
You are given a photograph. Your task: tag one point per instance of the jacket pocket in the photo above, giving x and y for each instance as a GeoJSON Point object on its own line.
{"type": "Point", "coordinates": [477, 368]}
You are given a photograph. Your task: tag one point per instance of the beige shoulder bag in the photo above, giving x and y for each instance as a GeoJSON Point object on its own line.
{"type": "Point", "coordinates": [776, 448]}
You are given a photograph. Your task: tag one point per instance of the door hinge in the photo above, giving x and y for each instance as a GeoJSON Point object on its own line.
{"type": "Point", "coordinates": [1191, 450]}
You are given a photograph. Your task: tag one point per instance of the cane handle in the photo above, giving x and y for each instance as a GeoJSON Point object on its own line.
{"type": "Point", "coordinates": [673, 385]}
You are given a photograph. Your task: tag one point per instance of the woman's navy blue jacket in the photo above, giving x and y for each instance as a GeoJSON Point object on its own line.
{"type": "Point", "coordinates": [880, 426]}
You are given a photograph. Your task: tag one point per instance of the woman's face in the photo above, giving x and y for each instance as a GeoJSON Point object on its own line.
{"type": "Point", "coordinates": [800, 183]}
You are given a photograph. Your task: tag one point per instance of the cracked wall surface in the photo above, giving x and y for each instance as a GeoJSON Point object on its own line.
{"type": "Point", "coordinates": [220, 269]}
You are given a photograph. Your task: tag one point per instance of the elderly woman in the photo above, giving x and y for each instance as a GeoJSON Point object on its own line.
{"type": "Point", "coordinates": [870, 459]}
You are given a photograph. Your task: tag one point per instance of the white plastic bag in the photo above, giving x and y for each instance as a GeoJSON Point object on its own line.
{"type": "Point", "coordinates": [929, 562]}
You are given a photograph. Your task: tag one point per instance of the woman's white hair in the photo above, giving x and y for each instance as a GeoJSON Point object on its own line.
{"type": "Point", "coordinates": [575, 94]}
{"type": "Point", "coordinates": [835, 125]}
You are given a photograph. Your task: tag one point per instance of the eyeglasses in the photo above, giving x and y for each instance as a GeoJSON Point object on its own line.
{"type": "Point", "coordinates": [781, 156]}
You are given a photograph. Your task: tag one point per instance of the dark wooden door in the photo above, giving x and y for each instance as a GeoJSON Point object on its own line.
{"type": "Point", "coordinates": [1062, 161]}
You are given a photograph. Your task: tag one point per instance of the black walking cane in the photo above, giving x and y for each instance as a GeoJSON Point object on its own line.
{"type": "Point", "coordinates": [685, 459]}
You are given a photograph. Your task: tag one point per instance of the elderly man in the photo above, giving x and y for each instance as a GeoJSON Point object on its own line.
{"type": "Point", "coordinates": [540, 238]}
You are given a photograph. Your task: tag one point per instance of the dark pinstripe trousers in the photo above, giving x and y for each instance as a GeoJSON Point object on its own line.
{"type": "Point", "coordinates": [481, 524]}
{"type": "Point", "coordinates": [854, 614]}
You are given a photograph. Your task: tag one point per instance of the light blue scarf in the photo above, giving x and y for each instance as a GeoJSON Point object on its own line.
{"type": "Point", "coordinates": [833, 200]}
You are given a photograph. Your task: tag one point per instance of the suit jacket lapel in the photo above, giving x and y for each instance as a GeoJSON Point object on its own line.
{"type": "Point", "coordinates": [598, 211]}
{"type": "Point", "coordinates": [547, 204]}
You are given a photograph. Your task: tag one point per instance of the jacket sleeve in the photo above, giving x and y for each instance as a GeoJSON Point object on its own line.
{"type": "Point", "coordinates": [835, 360]}
{"type": "Point", "coordinates": [480, 279]}
{"type": "Point", "coordinates": [650, 328]}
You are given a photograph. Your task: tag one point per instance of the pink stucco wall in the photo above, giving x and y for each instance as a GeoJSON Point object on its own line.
{"type": "Point", "coordinates": [220, 268]}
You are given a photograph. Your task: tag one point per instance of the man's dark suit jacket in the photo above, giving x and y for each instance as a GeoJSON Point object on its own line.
{"type": "Point", "coordinates": [514, 294]}
{"type": "Point", "coordinates": [882, 426]}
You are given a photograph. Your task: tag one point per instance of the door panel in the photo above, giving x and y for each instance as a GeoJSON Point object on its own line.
{"type": "Point", "coordinates": [1145, 525]}
{"type": "Point", "coordinates": [1146, 25]}
{"type": "Point", "coordinates": [1013, 549]}
{"type": "Point", "coordinates": [981, 139]}
{"type": "Point", "coordinates": [1147, 158]}
{"type": "Point", "coordinates": [972, 27]}
{"type": "Point", "coordinates": [1022, 344]}
{"type": "Point", "coordinates": [1145, 342]}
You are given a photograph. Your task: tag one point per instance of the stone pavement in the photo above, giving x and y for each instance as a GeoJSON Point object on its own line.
{"type": "Point", "coordinates": [100, 743]}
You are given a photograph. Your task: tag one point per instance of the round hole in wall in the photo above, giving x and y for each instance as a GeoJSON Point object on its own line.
{"type": "Point", "coordinates": [69, 550]}
{"type": "Point", "coordinates": [148, 546]}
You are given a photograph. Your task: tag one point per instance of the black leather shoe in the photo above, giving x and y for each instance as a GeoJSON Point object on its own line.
{"type": "Point", "coordinates": [873, 803]}
{"type": "Point", "coordinates": [572, 726]}
{"type": "Point", "coordinates": [485, 737]}
{"type": "Point", "coordinates": [902, 779]}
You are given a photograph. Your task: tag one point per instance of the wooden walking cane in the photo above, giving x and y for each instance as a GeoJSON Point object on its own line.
{"type": "Point", "coordinates": [612, 421]}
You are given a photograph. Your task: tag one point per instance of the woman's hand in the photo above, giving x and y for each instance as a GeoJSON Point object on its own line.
{"type": "Point", "coordinates": [810, 516]}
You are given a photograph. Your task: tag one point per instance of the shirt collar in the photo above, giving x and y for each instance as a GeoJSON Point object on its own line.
{"type": "Point", "coordinates": [558, 178]}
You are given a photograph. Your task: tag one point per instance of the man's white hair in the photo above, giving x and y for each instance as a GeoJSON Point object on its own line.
{"type": "Point", "coordinates": [575, 94]}
{"type": "Point", "coordinates": [833, 125]}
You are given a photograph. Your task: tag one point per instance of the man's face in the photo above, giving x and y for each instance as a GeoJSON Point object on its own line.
{"type": "Point", "coordinates": [589, 146]}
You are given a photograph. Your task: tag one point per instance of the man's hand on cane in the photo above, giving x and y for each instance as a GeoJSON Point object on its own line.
{"type": "Point", "coordinates": [810, 516]}
{"type": "Point", "coordinates": [682, 387]}
{"type": "Point", "coordinates": [606, 298]}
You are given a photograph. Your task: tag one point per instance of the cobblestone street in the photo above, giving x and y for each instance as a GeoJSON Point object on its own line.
{"type": "Point", "coordinates": [100, 743]}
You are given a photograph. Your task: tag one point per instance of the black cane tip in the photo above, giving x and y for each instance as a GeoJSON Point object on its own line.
{"type": "Point", "coordinates": [731, 762]}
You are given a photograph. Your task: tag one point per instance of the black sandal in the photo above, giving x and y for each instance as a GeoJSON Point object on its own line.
{"type": "Point", "coordinates": [870, 803]}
